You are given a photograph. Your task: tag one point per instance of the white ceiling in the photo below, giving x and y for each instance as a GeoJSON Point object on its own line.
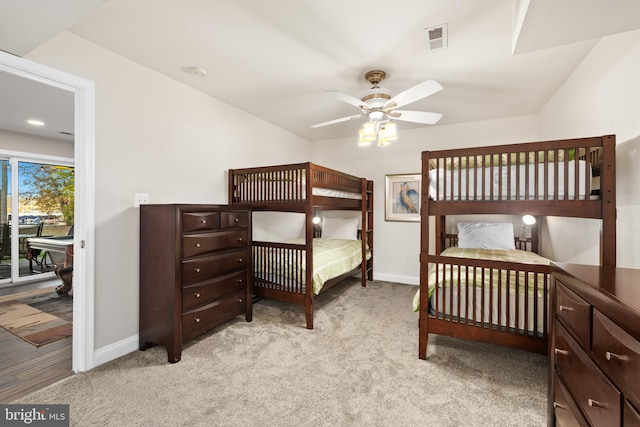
{"type": "Point", "coordinates": [275, 59]}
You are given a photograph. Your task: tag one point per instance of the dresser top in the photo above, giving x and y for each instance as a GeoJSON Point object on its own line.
{"type": "Point", "coordinates": [612, 289]}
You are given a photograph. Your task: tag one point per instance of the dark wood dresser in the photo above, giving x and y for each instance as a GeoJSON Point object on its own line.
{"type": "Point", "coordinates": [195, 272]}
{"type": "Point", "coordinates": [594, 375]}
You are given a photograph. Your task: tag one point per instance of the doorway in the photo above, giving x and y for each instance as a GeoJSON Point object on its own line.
{"type": "Point", "coordinates": [84, 214]}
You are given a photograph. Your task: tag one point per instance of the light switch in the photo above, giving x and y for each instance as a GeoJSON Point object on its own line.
{"type": "Point", "coordinates": [140, 199]}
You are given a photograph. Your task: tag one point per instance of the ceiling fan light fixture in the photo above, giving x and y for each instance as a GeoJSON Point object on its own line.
{"type": "Point", "coordinates": [376, 116]}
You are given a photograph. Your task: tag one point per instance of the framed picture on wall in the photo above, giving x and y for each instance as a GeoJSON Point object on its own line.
{"type": "Point", "coordinates": [402, 197]}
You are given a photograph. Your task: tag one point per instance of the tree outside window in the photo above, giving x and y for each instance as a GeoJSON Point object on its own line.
{"type": "Point", "coordinates": [51, 190]}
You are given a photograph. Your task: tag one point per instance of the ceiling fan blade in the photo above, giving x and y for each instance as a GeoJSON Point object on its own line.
{"type": "Point", "coordinates": [414, 93]}
{"type": "Point", "coordinates": [389, 106]}
{"type": "Point", "coordinates": [423, 117]}
{"type": "Point", "coordinates": [342, 119]}
{"type": "Point", "coordinates": [348, 99]}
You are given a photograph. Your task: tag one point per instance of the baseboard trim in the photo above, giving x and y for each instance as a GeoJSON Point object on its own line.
{"type": "Point", "coordinates": [408, 280]}
{"type": "Point", "coordinates": [115, 350]}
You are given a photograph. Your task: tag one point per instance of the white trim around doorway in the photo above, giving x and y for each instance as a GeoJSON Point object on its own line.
{"type": "Point", "coordinates": [84, 226]}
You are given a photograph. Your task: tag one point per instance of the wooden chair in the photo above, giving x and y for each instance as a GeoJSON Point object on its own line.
{"type": "Point", "coordinates": [5, 240]}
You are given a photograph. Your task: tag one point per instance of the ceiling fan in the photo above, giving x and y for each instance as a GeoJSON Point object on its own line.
{"type": "Point", "coordinates": [378, 105]}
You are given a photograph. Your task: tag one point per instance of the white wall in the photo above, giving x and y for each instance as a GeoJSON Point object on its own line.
{"type": "Point", "coordinates": [154, 135]}
{"type": "Point", "coordinates": [20, 142]}
{"type": "Point", "coordinates": [397, 244]}
{"type": "Point", "coordinates": [602, 97]}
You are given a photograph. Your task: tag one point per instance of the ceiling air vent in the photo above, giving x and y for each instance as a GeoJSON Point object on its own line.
{"type": "Point", "coordinates": [437, 37]}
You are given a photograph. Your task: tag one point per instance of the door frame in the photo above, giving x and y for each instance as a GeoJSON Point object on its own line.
{"type": "Point", "coordinates": [84, 199]}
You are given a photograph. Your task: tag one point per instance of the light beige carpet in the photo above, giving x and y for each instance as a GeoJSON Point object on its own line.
{"type": "Point", "coordinates": [358, 367]}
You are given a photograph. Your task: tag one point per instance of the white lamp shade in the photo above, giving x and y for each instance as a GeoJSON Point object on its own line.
{"type": "Point", "coordinates": [390, 133]}
{"type": "Point", "coordinates": [362, 141]}
{"type": "Point", "coordinates": [369, 131]}
{"type": "Point", "coordinates": [528, 219]}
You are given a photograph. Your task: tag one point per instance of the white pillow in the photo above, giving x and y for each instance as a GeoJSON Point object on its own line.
{"type": "Point", "coordinates": [485, 235]}
{"type": "Point", "coordinates": [340, 228]}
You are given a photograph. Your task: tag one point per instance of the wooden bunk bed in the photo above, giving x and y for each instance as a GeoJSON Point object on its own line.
{"type": "Point", "coordinates": [281, 270]}
{"type": "Point", "coordinates": [564, 178]}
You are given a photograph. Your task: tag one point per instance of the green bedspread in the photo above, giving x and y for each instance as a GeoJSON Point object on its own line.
{"type": "Point", "coordinates": [508, 255]}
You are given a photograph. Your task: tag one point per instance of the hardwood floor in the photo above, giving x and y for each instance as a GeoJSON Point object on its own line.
{"type": "Point", "coordinates": [25, 368]}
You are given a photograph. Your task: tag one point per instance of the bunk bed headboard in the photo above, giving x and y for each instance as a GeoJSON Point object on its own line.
{"type": "Point", "coordinates": [566, 178]}
{"type": "Point", "coordinates": [447, 240]}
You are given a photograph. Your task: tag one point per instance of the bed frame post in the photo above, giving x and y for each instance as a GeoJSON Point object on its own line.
{"type": "Point", "coordinates": [608, 194]}
{"type": "Point", "coordinates": [423, 322]}
{"type": "Point", "coordinates": [535, 236]}
{"type": "Point", "coordinates": [370, 241]}
{"type": "Point", "coordinates": [364, 235]}
{"type": "Point", "coordinates": [441, 234]}
{"type": "Point", "coordinates": [230, 186]}
{"type": "Point", "coordinates": [308, 293]}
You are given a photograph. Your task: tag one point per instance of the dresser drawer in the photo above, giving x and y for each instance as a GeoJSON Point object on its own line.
{"type": "Point", "coordinates": [234, 219]}
{"type": "Point", "coordinates": [198, 269]}
{"type": "Point", "coordinates": [202, 243]}
{"type": "Point", "coordinates": [618, 354]}
{"type": "Point", "coordinates": [200, 320]}
{"type": "Point", "coordinates": [562, 411]}
{"type": "Point", "coordinates": [574, 313]}
{"type": "Point", "coordinates": [200, 221]}
{"type": "Point", "coordinates": [210, 290]}
{"type": "Point", "coordinates": [631, 417]}
{"type": "Point", "coordinates": [591, 390]}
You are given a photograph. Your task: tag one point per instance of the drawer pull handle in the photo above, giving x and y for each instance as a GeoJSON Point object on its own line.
{"type": "Point", "coordinates": [565, 308]}
{"type": "Point", "coordinates": [239, 280]}
{"type": "Point", "coordinates": [236, 219]}
{"type": "Point", "coordinates": [557, 405]}
{"type": "Point", "coordinates": [240, 260]}
{"type": "Point", "coordinates": [560, 351]}
{"type": "Point", "coordinates": [197, 245]}
{"type": "Point", "coordinates": [197, 320]}
{"type": "Point", "coordinates": [197, 295]}
{"type": "Point", "coordinates": [595, 403]}
{"type": "Point", "coordinates": [239, 239]}
{"type": "Point", "coordinates": [614, 356]}
{"type": "Point", "coordinates": [204, 221]}
{"type": "Point", "coordinates": [197, 270]}
{"type": "Point", "coordinates": [239, 300]}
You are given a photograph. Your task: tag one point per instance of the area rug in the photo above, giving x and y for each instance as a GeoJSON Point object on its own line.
{"type": "Point", "coordinates": [38, 319]}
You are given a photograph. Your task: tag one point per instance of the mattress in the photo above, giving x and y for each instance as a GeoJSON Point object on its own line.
{"type": "Point", "coordinates": [454, 184]}
{"type": "Point", "coordinates": [326, 192]}
{"type": "Point", "coordinates": [445, 287]}
{"type": "Point", "coordinates": [286, 190]}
